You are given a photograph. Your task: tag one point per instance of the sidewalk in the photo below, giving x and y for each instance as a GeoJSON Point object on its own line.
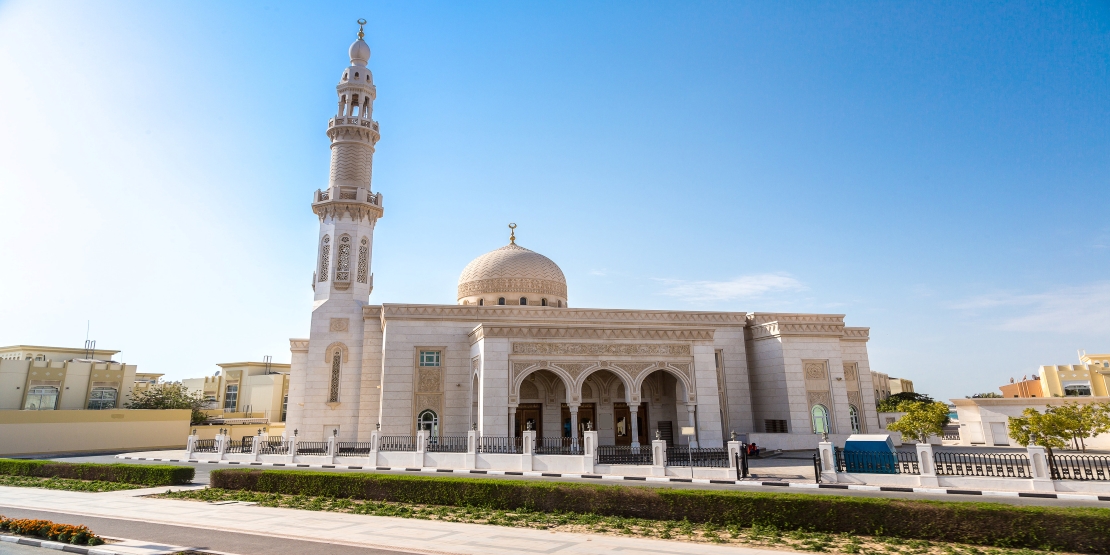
{"type": "Point", "coordinates": [414, 536]}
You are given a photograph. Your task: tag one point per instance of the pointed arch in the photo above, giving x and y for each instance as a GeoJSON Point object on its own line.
{"type": "Point", "coordinates": [521, 374]}
{"type": "Point", "coordinates": [678, 373]}
{"type": "Point", "coordinates": [631, 395]}
{"type": "Point", "coordinates": [332, 348]}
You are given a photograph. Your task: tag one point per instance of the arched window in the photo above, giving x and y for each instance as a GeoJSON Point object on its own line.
{"type": "Point", "coordinates": [325, 257]}
{"type": "Point", "coordinates": [501, 300]}
{"type": "Point", "coordinates": [102, 398]}
{"type": "Point", "coordinates": [543, 302]}
{"type": "Point", "coordinates": [481, 302]}
{"type": "Point", "coordinates": [41, 397]}
{"type": "Point", "coordinates": [820, 416]}
{"type": "Point", "coordinates": [524, 301]}
{"type": "Point", "coordinates": [343, 260]}
{"type": "Point", "coordinates": [429, 422]}
{"type": "Point", "coordinates": [854, 413]}
{"type": "Point", "coordinates": [363, 260]}
{"type": "Point", "coordinates": [336, 366]}
{"type": "Point", "coordinates": [560, 304]}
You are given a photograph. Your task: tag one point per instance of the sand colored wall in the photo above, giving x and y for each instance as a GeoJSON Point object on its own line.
{"type": "Point", "coordinates": [26, 432]}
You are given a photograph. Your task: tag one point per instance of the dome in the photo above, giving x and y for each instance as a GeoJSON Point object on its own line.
{"type": "Point", "coordinates": [513, 272]}
{"type": "Point", "coordinates": [360, 52]}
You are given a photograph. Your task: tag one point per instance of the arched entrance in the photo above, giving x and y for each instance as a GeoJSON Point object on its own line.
{"type": "Point", "coordinates": [665, 399]}
{"type": "Point", "coordinates": [541, 393]}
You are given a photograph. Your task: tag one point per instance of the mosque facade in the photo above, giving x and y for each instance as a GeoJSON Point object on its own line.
{"type": "Point", "coordinates": [514, 354]}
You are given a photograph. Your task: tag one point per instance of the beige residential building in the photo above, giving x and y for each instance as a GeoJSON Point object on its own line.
{"type": "Point", "coordinates": [245, 390]}
{"type": "Point", "coordinates": [57, 378]}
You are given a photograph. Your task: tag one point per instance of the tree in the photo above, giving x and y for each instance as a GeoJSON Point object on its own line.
{"type": "Point", "coordinates": [173, 395]}
{"type": "Point", "coordinates": [895, 402]}
{"type": "Point", "coordinates": [921, 420]}
{"type": "Point", "coordinates": [1046, 429]}
{"type": "Point", "coordinates": [1078, 422]}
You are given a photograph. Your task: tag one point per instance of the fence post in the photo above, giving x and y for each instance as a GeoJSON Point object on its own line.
{"type": "Point", "coordinates": [828, 461]}
{"type": "Point", "coordinates": [926, 466]}
{"type": "Point", "coordinates": [472, 449]}
{"type": "Point", "coordinates": [589, 451]}
{"type": "Point", "coordinates": [331, 447]}
{"type": "Point", "coordinates": [527, 447]}
{"type": "Point", "coordinates": [221, 443]}
{"type": "Point", "coordinates": [734, 448]}
{"type": "Point", "coordinates": [373, 455]}
{"type": "Point", "coordinates": [421, 447]}
{"type": "Point", "coordinates": [256, 449]}
{"type": "Point", "coordinates": [191, 445]}
{"type": "Point", "coordinates": [293, 447]}
{"type": "Point", "coordinates": [1039, 465]}
{"type": "Point", "coordinates": [658, 457]}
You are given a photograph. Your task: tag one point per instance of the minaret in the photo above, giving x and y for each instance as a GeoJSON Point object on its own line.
{"type": "Point", "coordinates": [326, 372]}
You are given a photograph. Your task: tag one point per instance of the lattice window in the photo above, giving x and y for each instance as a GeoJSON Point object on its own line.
{"type": "Point", "coordinates": [363, 260]}
{"type": "Point", "coordinates": [343, 261]}
{"type": "Point", "coordinates": [336, 365]}
{"type": "Point", "coordinates": [325, 258]}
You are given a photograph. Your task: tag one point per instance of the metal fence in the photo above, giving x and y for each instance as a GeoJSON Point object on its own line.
{"type": "Point", "coordinates": [274, 446]}
{"type": "Point", "coordinates": [353, 448]}
{"type": "Point", "coordinates": [312, 448]}
{"type": "Point", "coordinates": [898, 462]}
{"type": "Point", "coordinates": [557, 446]}
{"type": "Point", "coordinates": [1005, 465]}
{"type": "Point", "coordinates": [246, 445]}
{"type": "Point", "coordinates": [697, 456]}
{"type": "Point", "coordinates": [508, 445]}
{"type": "Point", "coordinates": [1080, 467]}
{"type": "Point", "coordinates": [447, 444]}
{"type": "Point", "coordinates": [397, 443]}
{"type": "Point", "coordinates": [204, 446]}
{"type": "Point", "coordinates": [624, 454]}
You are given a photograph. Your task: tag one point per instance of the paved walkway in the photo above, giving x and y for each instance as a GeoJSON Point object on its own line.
{"type": "Point", "coordinates": [382, 533]}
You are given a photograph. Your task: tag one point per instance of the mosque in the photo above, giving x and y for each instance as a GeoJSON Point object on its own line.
{"type": "Point", "coordinates": [515, 354]}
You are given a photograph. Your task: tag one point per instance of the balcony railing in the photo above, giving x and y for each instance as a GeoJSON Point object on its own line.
{"type": "Point", "coordinates": [625, 454]}
{"type": "Point", "coordinates": [697, 456]}
{"type": "Point", "coordinates": [1006, 465]}
{"type": "Point", "coordinates": [503, 445]}
{"type": "Point", "coordinates": [397, 443]}
{"type": "Point", "coordinates": [447, 444]}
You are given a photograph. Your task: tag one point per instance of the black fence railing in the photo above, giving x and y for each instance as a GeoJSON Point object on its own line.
{"type": "Point", "coordinates": [504, 445]}
{"type": "Point", "coordinates": [1080, 467]}
{"type": "Point", "coordinates": [312, 448]}
{"type": "Point", "coordinates": [204, 446]}
{"type": "Point", "coordinates": [353, 448]}
{"type": "Point", "coordinates": [697, 456]}
{"type": "Point", "coordinates": [898, 462]}
{"type": "Point", "coordinates": [625, 454]}
{"type": "Point", "coordinates": [951, 436]}
{"type": "Point", "coordinates": [447, 444]}
{"type": "Point", "coordinates": [273, 446]}
{"type": "Point", "coordinates": [245, 445]}
{"type": "Point", "coordinates": [1005, 465]}
{"type": "Point", "coordinates": [397, 443]}
{"type": "Point", "coordinates": [558, 446]}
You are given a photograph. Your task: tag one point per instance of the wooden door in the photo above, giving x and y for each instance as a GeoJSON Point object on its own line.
{"type": "Point", "coordinates": [622, 424]}
{"type": "Point", "coordinates": [529, 413]}
{"type": "Point", "coordinates": [585, 416]}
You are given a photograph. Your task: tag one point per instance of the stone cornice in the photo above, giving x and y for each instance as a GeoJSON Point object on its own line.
{"type": "Point", "coordinates": [590, 332]}
{"type": "Point", "coordinates": [298, 345]}
{"type": "Point", "coordinates": [856, 334]}
{"type": "Point", "coordinates": [548, 315]}
{"type": "Point", "coordinates": [353, 208]}
{"type": "Point", "coordinates": [764, 325]}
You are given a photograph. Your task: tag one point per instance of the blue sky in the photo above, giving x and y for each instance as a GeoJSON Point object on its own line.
{"type": "Point", "coordinates": [936, 171]}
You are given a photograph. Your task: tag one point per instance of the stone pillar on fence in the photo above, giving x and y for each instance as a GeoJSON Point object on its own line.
{"type": "Point", "coordinates": [691, 410]}
{"type": "Point", "coordinates": [256, 449]}
{"type": "Point", "coordinates": [332, 447]}
{"type": "Point", "coordinates": [926, 466]}
{"type": "Point", "coordinates": [293, 447]}
{"type": "Point", "coordinates": [373, 455]}
{"type": "Point", "coordinates": [733, 448]}
{"type": "Point", "coordinates": [472, 449]}
{"type": "Point", "coordinates": [527, 449]}
{"type": "Point", "coordinates": [191, 445]}
{"type": "Point", "coordinates": [589, 451]}
{"type": "Point", "coordinates": [827, 451]}
{"type": "Point", "coordinates": [659, 457]}
{"type": "Point", "coordinates": [1038, 465]}
{"type": "Point", "coordinates": [221, 445]}
{"type": "Point", "coordinates": [421, 448]}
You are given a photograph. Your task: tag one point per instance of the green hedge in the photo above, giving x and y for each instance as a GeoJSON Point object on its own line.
{"type": "Point", "coordinates": [141, 474]}
{"type": "Point", "coordinates": [1069, 529]}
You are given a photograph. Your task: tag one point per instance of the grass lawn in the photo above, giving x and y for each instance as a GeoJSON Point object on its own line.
{"type": "Point", "coordinates": [757, 536]}
{"type": "Point", "coordinates": [63, 483]}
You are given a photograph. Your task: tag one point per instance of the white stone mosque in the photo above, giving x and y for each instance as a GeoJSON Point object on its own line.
{"type": "Point", "coordinates": [513, 354]}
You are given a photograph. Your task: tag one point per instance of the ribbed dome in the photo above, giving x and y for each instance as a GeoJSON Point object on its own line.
{"type": "Point", "coordinates": [360, 52]}
{"type": "Point", "coordinates": [512, 272]}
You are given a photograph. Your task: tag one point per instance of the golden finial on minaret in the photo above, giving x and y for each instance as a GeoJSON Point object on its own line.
{"type": "Point", "coordinates": [361, 22]}
{"type": "Point", "coordinates": [512, 233]}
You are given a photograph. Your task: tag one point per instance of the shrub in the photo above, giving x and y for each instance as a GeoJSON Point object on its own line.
{"type": "Point", "coordinates": [65, 533]}
{"type": "Point", "coordinates": [141, 474]}
{"type": "Point", "coordinates": [1070, 529]}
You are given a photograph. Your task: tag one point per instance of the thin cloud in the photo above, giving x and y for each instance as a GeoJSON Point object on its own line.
{"type": "Point", "coordinates": [743, 287]}
{"type": "Point", "coordinates": [1081, 309]}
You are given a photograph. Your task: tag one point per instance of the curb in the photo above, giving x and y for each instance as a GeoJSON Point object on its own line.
{"type": "Point", "coordinates": [58, 546]}
{"type": "Point", "coordinates": [746, 483]}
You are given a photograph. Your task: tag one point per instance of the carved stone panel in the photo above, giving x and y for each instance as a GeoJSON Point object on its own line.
{"type": "Point", "coordinates": [850, 372]}
{"type": "Point", "coordinates": [428, 380]}
{"type": "Point", "coordinates": [820, 398]}
{"type": "Point", "coordinates": [599, 349]}
{"type": "Point", "coordinates": [528, 390]}
{"type": "Point", "coordinates": [339, 324]}
{"type": "Point", "coordinates": [855, 400]}
{"type": "Point", "coordinates": [815, 371]}
{"type": "Point", "coordinates": [575, 369]}
{"type": "Point", "coordinates": [433, 401]}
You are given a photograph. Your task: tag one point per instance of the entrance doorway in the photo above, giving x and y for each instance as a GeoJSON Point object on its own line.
{"type": "Point", "coordinates": [585, 416]}
{"type": "Point", "coordinates": [622, 424]}
{"type": "Point", "coordinates": [529, 413]}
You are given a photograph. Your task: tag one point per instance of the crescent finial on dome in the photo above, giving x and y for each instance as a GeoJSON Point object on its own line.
{"type": "Point", "coordinates": [512, 233]}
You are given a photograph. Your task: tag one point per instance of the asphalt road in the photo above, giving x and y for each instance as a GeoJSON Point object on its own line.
{"type": "Point", "coordinates": [201, 539]}
{"type": "Point", "coordinates": [769, 469]}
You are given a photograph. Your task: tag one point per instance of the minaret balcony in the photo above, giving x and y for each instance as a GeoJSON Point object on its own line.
{"type": "Point", "coordinates": [354, 121]}
{"type": "Point", "coordinates": [348, 194]}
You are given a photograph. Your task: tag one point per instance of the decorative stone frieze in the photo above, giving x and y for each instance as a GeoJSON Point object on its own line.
{"type": "Point", "coordinates": [588, 349]}
{"type": "Point", "coordinates": [815, 371]}
{"type": "Point", "coordinates": [590, 332]}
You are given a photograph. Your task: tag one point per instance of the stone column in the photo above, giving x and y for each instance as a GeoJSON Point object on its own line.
{"type": "Point", "coordinates": [658, 457]}
{"type": "Point", "coordinates": [634, 411]}
{"type": "Point", "coordinates": [926, 466]}
{"type": "Point", "coordinates": [589, 455]}
{"type": "Point", "coordinates": [1042, 473]}
{"type": "Point", "coordinates": [471, 449]}
{"type": "Point", "coordinates": [573, 426]}
{"type": "Point", "coordinates": [191, 445]}
{"type": "Point", "coordinates": [256, 449]}
{"type": "Point", "coordinates": [828, 461]}
{"type": "Point", "coordinates": [332, 448]}
{"type": "Point", "coordinates": [374, 439]}
{"type": "Point", "coordinates": [293, 447]}
{"type": "Point", "coordinates": [733, 448]}
{"type": "Point", "coordinates": [421, 448]}
{"type": "Point", "coordinates": [528, 444]}
{"type": "Point", "coordinates": [690, 408]}
{"type": "Point", "coordinates": [221, 445]}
